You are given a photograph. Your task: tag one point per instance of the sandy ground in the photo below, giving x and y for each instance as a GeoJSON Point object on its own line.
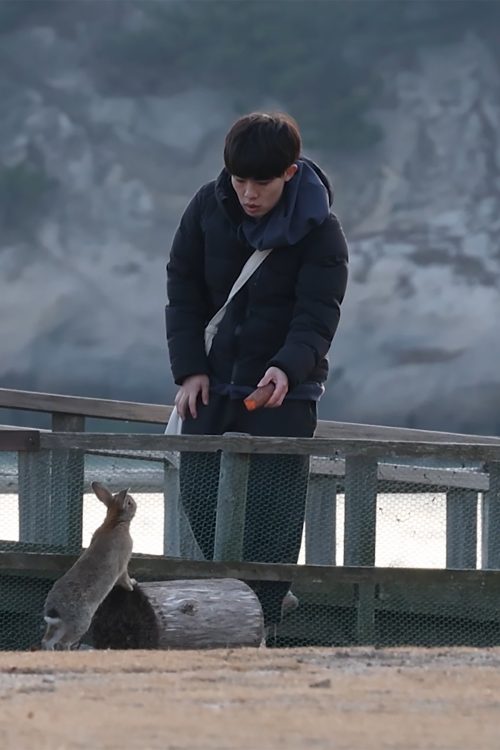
{"type": "Point", "coordinates": [252, 699]}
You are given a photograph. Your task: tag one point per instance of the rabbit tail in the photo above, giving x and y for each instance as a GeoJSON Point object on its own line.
{"type": "Point", "coordinates": [57, 633]}
{"type": "Point", "coordinates": [54, 632]}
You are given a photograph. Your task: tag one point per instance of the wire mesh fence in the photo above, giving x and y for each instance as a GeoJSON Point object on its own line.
{"type": "Point", "coordinates": [404, 545]}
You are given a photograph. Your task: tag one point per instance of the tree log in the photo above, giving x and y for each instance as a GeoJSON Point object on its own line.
{"type": "Point", "coordinates": [187, 614]}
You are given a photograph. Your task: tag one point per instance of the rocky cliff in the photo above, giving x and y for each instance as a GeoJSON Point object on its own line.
{"type": "Point", "coordinates": [92, 185]}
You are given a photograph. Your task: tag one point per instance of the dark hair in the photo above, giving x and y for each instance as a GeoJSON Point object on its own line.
{"type": "Point", "coordinates": [262, 146]}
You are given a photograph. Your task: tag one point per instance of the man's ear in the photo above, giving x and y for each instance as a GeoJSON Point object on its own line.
{"type": "Point", "coordinates": [290, 172]}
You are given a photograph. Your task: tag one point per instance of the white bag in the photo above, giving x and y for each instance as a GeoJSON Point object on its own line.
{"type": "Point", "coordinates": [174, 424]}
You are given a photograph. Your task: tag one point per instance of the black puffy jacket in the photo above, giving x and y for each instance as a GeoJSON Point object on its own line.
{"type": "Point", "coordinates": [286, 314]}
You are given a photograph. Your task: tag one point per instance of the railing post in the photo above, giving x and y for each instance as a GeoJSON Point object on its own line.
{"type": "Point", "coordinates": [364, 596]}
{"type": "Point", "coordinates": [490, 520]}
{"type": "Point", "coordinates": [359, 536]}
{"type": "Point", "coordinates": [360, 510]}
{"type": "Point", "coordinates": [67, 486]}
{"type": "Point", "coordinates": [461, 528]}
{"type": "Point", "coordinates": [321, 510]}
{"type": "Point", "coordinates": [171, 513]}
{"type": "Point", "coordinates": [35, 524]}
{"type": "Point", "coordinates": [231, 505]}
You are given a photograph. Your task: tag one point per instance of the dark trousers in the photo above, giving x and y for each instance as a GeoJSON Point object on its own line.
{"type": "Point", "coordinates": [277, 486]}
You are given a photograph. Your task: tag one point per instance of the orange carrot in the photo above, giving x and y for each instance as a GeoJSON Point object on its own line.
{"type": "Point", "coordinates": [259, 397]}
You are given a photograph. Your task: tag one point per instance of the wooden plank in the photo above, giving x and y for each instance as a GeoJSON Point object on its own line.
{"type": "Point", "coordinates": [490, 519]}
{"type": "Point", "coordinates": [320, 524]}
{"type": "Point", "coordinates": [318, 577]}
{"type": "Point", "coordinates": [409, 474]}
{"type": "Point", "coordinates": [231, 506]}
{"type": "Point", "coordinates": [292, 446]}
{"type": "Point", "coordinates": [461, 528]}
{"type": "Point", "coordinates": [19, 440]}
{"type": "Point", "coordinates": [89, 407]}
{"type": "Point", "coordinates": [152, 456]}
{"type": "Point", "coordinates": [466, 478]}
{"type": "Point", "coordinates": [352, 431]}
{"type": "Point", "coordinates": [360, 510]}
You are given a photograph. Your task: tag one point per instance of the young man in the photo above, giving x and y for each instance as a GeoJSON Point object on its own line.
{"type": "Point", "coordinates": [277, 329]}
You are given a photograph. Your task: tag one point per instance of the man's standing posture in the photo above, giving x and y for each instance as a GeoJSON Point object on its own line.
{"type": "Point", "coordinates": [277, 329]}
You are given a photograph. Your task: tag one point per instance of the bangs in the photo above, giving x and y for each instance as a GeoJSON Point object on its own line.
{"type": "Point", "coordinates": [254, 164]}
{"type": "Point", "coordinates": [260, 148]}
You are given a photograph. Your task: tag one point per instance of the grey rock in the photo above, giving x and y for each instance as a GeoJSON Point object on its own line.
{"type": "Point", "coordinates": [83, 286]}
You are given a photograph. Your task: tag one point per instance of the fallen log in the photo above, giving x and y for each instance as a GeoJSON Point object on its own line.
{"type": "Point", "coordinates": [185, 614]}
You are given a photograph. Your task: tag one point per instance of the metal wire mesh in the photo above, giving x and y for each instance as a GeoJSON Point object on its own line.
{"type": "Point", "coordinates": [430, 526]}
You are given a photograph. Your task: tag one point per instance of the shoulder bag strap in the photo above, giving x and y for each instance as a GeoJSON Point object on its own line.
{"type": "Point", "coordinates": [253, 262]}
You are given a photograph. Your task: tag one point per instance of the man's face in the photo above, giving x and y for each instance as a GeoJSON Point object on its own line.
{"type": "Point", "coordinates": [258, 197]}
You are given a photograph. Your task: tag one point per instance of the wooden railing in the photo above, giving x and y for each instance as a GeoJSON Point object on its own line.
{"type": "Point", "coordinates": [360, 461]}
{"type": "Point", "coordinates": [354, 467]}
{"type": "Point", "coordinates": [63, 408]}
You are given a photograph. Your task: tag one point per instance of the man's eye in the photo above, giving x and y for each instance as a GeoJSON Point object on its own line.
{"type": "Point", "coordinates": [263, 182]}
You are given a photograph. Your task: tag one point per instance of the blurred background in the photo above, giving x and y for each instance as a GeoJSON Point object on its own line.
{"type": "Point", "coordinates": [114, 113]}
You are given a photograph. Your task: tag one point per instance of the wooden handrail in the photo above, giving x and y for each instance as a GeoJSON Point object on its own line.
{"type": "Point", "coordinates": [88, 407]}
{"type": "Point", "coordinates": [381, 448]}
{"type": "Point", "coordinates": [158, 414]}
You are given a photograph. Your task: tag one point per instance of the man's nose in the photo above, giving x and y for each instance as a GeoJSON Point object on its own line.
{"type": "Point", "coordinates": [250, 190]}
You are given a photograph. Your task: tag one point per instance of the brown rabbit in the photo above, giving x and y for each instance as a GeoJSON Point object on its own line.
{"type": "Point", "coordinates": [73, 600]}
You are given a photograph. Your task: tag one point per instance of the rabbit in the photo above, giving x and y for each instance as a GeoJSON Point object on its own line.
{"type": "Point", "coordinates": [74, 598]}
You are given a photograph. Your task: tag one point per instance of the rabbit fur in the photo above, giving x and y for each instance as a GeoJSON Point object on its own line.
{"type": "Point", "coordinates": [74, 598]}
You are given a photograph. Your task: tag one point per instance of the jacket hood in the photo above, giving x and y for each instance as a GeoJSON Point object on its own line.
{"type": "Point", "coordinates": [322, 176]}
{"type": "Point", "coordinates": [305, 204]}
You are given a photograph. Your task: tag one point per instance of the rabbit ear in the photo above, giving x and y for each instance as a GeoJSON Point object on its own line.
{"type": "Point", "coordinates": [102, 493]}
{"type": "Point", "coordinates": [121, 496]}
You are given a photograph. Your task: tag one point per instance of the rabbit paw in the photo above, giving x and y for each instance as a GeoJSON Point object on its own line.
{"type": "Point", "coordinates": [125, 582]}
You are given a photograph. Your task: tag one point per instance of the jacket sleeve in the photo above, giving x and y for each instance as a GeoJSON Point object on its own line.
{"type": "Point", "coordinates": [320, 289]}
{"type": "Point", "coordinates": [186, 312]}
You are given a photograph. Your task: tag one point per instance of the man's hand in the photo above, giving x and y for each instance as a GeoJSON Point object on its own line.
{"type": "Point", "coordinates": [187, 396]}
{"type": "Point", "coordinates": [280, 381]}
